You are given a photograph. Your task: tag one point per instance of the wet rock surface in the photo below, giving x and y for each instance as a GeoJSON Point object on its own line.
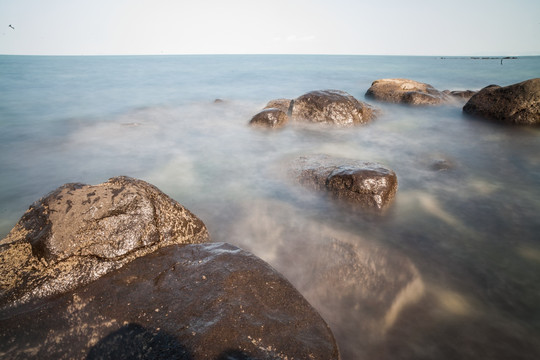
{"type": "Point", "coordinates": [79, 232]}
{"type": "Point", "coordinates": [516, 104]}
{"type": "Point", "coordinates": [200, 301]}
{"type": "Point", "coordinates": [284, 105]}
{"type": "Point", "coordinates": [368, 184]}
{"type": "Point", "coordinates": [334, 107]}
{"type": "Point", "coordinates": [331, 107]}
{"type": "Point", "coordinates": [405, 91]}
{"type": "Point", "coordinates": [272, 118]}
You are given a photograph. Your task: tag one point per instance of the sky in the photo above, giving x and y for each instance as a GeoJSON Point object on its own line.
{"type": "Point", "coordinates": [374, 27]}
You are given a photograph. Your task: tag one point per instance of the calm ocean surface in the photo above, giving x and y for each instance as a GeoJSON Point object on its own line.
{"type": "Point", "coordinates": [468, 237]}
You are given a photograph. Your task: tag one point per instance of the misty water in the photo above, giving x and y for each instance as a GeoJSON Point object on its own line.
{"type": "Point", "coordinates": [450, 271]}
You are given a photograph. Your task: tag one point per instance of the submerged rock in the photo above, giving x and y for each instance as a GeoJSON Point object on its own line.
{"type": "Point", "coordinates": [460, 94]}
{"type": "Point", "coordinates": [360, 286]}
{"type": "Point", "coordinates": [405, 91]}
{"type": "Point", "coordinates": [201, 301]}
{"type": "Point", "coordinates": [79, 232]}
{"type": "Point", "coordinates": [331, 107]}
{"type": "Point", "coordinates": [368, 184]}
{"type": "Point", "coordinates": [517, 104]}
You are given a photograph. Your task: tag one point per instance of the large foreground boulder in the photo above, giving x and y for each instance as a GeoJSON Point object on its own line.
{"type": "Point", "coordinates": [368, 184]}
{"type": "Point", "coordinates": [79, 232]}
{"type": "Point", "coordinates": [201, 301]}
{"type": "Point", "coordinates": [331, 107]}
{"type": "Point", "coordinates": [516, 104]}
{"type": "Point", "coordinates": [405, 91]}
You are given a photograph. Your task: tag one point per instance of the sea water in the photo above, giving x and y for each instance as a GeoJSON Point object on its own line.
{"type": "Point", "coordinates": [451, 270]}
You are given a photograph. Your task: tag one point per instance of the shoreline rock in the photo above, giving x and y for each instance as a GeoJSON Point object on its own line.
{"type": "Point", "coordinates": [405, 91]}
{"type": "Point", "coordinates": [368, 184]}
{"type": "Point", "coordinates": [515, 104]}
{"type": "Point", "coordinates": [332, 107]}
{"type": "Point", "coordinates": [78, 233]}
{"type": "Point", "coordinates": [197, 301]}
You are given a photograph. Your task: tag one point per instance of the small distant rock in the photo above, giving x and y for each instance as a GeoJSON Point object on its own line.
{"type": "Point", "coordinates": [460, 94]}
{"type": "Point", "coordinates": [368, 184]}
{"type": "Point", "coordinates": [80, 232]}
{"type": "Point", "coordinates": [515, 104]}
{"type": "Point", "coordinates": [405, 91]}
{"type": "Point", "coordinates": [272, 118]}
{"type": "Point", "coordinates": [441, 165]}
{"type": "Point", "coordinates": [331, 107]}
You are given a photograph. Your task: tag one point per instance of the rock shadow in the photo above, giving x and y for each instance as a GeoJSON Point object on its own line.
{"type": "Point", "coordinates": [134, 341]}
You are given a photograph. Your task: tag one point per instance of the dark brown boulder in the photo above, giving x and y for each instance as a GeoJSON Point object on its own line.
{"type": "Point", "coordinates": [79, 232]}
{"type": "Point", "coordinates": [331, 107]}
{"type": "Point", "coordinates": [201, 301]}
{"type": "Point", "coordinates": [368, 184]}
{"type": "Point", "coordinates": [517, 104]}
{"type": "Point", "coordinates": [405, 91]}
{"type": "Point", "coordinates": [272, 118]}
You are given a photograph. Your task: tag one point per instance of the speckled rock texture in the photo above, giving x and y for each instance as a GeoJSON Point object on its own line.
{"type": "Point", "coordinates": [515, 104]}
{"type": "Point", "coordinates": [405, 91]}
{"type": "Point", "coordinates": [79, 232]}
{"type": "Point", "coordinates": [333, 107]}
{"type": "Point", "coordinates": [368, 184]}
{"type": "Point", "coordinates": [200, 301]}
{"type": "Point", "coordinates": [271, 118]}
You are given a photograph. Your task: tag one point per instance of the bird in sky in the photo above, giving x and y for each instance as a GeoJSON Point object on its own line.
{"type": "Point", "coordinates": [11, 26]}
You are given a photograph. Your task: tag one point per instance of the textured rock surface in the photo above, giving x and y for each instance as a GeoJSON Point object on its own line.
{"type": "Point", "coordinates": [518, 103]}
{"type": "Point", "coordinates": [331, 107]}
{"type": "Point", "coordinates": [201, 301]}
{"type": "Point", "coordinates": [281, 104]}
{"type": "Point", "coordinates": [370, 185]}
{"type": "Point", "coordinates": [405, 91]}
{"type": "Point", "coordinates": [79, 232]}
{"type": "Point", "coordinates": [270, 118]}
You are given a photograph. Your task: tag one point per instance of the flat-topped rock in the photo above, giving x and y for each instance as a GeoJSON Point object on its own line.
{"type": "Point", "coordinates": [200, 301]}
{"type": "Point", "coordinates": [79, 232]}
{"type": "Point", "coordinates": [515, 104]}
{"type": "Point", "coordinates": [368, 184]}
{"type": "Point", "coordinates": [405, 91]}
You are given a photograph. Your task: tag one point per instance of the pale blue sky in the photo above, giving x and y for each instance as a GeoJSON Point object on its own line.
{"type": "Point", "coordinates": [376, 27]}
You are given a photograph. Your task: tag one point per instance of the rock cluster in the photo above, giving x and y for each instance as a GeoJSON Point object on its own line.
{"type": "Point", "coordinates": [516, 104]}
{"type": "Point", "coordinates": [368, 184]}
{"type": "Point", "coordinates": [333, 107]}
{"type": "Point", "coordinates": [132, 278]}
